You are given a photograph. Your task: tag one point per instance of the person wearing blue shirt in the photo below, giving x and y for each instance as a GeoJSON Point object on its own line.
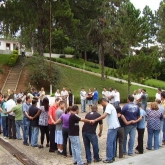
{"type": "Point", "coordinates": [132, 113]}
{"type": "Point", "coordinates": [140, 130]}
{"type": "Point", "coordinates": [95, 96]}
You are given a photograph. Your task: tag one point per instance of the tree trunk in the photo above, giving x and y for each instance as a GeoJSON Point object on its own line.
{"type": "Point", "coordinates": [40, 41]}
{"type": "Point", "coordinates": [102, 61]}
{"type": "Point", "coordinates": [32, 42]}
{"type": "Point", "coordinates": [99, 54]}
{"type": "Point", "coordinates": [85, 56]}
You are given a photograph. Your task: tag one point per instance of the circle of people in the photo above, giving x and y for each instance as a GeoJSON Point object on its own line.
{"type": "Point", "coordinates": [60, 123]}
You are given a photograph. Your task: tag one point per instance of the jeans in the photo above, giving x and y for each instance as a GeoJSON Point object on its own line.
{"type": "Point", "coordinates": [91, 138]}
{"type": "Point", "coordinates": [131, 130]}
{"type": "Point", "coordinates": [11, 127]}
{"type": "Point", "coordinates": [26, 130]}
{"type": "Point", "coordinates": [65, 139]}
{"type": "Point", "coordinates": [19, 123]}
{"type": "Point", "coordinates": [76, 149]}
{"type": "Point", "coordinates": [140, 140]}
{"type": "Point", "coordinates": [120, 136]}
{"type": "Point", "coordinates": [144, 106]}
{"type": "Point", "coordinates": [111, 144]}
{"type": "Point", "coordinates": [5, 125]}
{"type": "Point", "coordinates": [83, 105]}
{"type": "Point", "coordinates": [117, 103]}
{"type": "Point", "coordinates": [95, 102]}
{"type": "Point", "coordinates": [44, 130]}
{"type": "Point", "coordinates": [161, 133]}
{"type": "Point", "coordinates": [152, 133]}
{"type": "Point", "coordinates": [163, 129]}
{"type": "Point", "coordinates": [34, 136]}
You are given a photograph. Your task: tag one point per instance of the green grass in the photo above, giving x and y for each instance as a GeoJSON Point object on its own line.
{"type": "Point", "coordinates": [75, 80]}
{"type": "Point", "coordinates": [155, 83]}
{"type": "Point", "coordinates": [4, 58]}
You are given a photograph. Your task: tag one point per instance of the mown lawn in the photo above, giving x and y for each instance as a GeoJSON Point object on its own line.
{"type": "Point", "coordinates": [75, 80]}
{"type": "Point", "coordinates": [155, 83]}
{"type": "Point", "coordinates": [4, 59]}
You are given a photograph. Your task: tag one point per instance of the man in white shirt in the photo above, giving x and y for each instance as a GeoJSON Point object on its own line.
{"type": "Point", "coordinates": [41, 95]}
{"type": "Point", "coordinates": [11, 117]}
{"type": "Point", "coordinates": [111, 96]}
{"type": "Point", "coordinates": [113, 125]}
{"type": "Point", "coordinates": [139, 95]}
{"type": "Point", "coordinates": [105, 93]}
{"type": "Point", "coordinates": [64, 95]}
{"type": "Point", "coordinates": [117, 98]}
{"type": "Point", "coordinates": [158, 94]}
{"type": "Point", "coordinates": [83, 96]}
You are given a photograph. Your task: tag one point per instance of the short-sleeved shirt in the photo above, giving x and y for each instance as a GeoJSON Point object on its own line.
{"type": "Point", "coordinates": [58, 114]}
{"type": "Point", "coordinates": [131, 112]}
{"type": "Point", "coordinates": [65, 120]}
{"type": "Point", "coordinates": [111, 93]}
{"type": "Point", "coordinates": [74, 125]}
{"type": "Point", "coordinates": [43, 118]}
{"type": "Point", "coordinates": [112, 119]}
{"type": "Point", "coordinates": [32, 112]}
{"type": "Point", "coordinates": [141, 123]}
{"type": "Point", "coordinates": [9, 105]}
{"type": "Point", "coordinates": [89, 128]}
{"type": "Point", "coordinates": [3, 104]}
{"type": "Point", "coordinates": [144, 98]}
{"type": "Point", "coordinates": [52, 111]}
{"type": "Point", "coordinates": [25, 107]}
{"type": "Point", "coordinates": [18, 112]}
{"type": "Point", "coordinates": [95, 95]}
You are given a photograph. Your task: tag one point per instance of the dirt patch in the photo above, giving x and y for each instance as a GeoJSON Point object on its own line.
{"type": "Point", "coordinates": [6, 69]}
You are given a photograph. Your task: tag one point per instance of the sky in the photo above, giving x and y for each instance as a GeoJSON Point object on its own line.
{"type": "Point", "coordinates": [140, 4]}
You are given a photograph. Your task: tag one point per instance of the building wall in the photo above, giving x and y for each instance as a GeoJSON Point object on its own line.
{"type": "Point", "coordinates": [7, 45]}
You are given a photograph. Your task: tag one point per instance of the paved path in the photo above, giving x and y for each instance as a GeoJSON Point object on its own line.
{"type": "Point", "coordinates": [98, 74]}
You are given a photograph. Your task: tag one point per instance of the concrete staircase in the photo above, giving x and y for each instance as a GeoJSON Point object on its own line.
{"type": "Point", "coordinates": [13, 77]}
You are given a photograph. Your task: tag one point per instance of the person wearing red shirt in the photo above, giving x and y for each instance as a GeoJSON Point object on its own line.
{"type": "Point", "coordinates": [52, 127]}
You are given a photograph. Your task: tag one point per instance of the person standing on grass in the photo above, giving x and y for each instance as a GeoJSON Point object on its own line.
{"type": "Point", "coordinates": [158, 94]}
{"type": "Point", "coordinates": [65, 129]}
{"type": "Point", "coordinates": [52, 127]}
{"type": "Point", "coordinates": [117, 98]}
{"type": "Point", "coordinates": [11, 117]}
{"type": "Point", "coordinates": [95, 96]}
{"type": "Point", "coordinates": [113, 125]}
{"type": "Point", "coordinates": [105, 95]}
{"type": "Point", "coordinates": [34, 112]}
{"type": "Point", "coordinates": [18, 117]}
{"type": "Point", "coordinates": [4, 117]}
{"type": "Point", "coordinates": [58, 132]}
{"type": "Point", "coordinates": [64, 95]}
{"type": "Point", "coordinates": [70, 98]}
{"type": "Point", "coordinates": [26, 120]}
{"type": "Point", "coordinates": [90, 137]}
{"type": "Point", "coordinates": [41, 95]}
{"type": "Point", "coordinates": [90, 99]}
{"type": "Point", "coordinates": [43, 122]}
{"type": "Point", "coordinates": [140, 130]}
{"type": "Point", "coordinates": [74, 120]}
{"type": "Point", "coordinates": [131, 112]}
{"type": "Point", "coordinates": [83, 95]}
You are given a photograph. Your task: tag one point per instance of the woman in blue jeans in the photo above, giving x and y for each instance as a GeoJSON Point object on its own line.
{"type": "Point", "coordinates": [153, 125]}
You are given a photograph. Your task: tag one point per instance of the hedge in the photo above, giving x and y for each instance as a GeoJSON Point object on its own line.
{"type": "Point", "coordinates": [13, 58]}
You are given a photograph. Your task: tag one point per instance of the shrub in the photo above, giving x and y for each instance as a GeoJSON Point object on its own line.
{"type": "Point", "coordinates": [13, 58]}
{"type": "Point", "coordinates": [62, 56]}
{"type": "Point", "coordinates": [69, 50]}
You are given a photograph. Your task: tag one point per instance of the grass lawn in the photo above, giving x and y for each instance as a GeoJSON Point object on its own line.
{"type": "Point", "coordinates": [4, 59]}
{"type": "Point", "coordinates": [75, 80]}
{"type": "Point", "coordinates": [155, 83]}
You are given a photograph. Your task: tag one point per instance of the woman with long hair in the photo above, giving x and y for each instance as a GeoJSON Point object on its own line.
{"type": "Point", "coordinates": [43, 121]}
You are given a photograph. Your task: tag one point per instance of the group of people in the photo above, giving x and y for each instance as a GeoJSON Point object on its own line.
{"type": "Point", "coordinates": [60, 123]}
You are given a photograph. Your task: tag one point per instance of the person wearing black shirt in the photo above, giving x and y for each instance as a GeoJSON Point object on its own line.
{"type": "Point", "coordinates": [74, 135]}
{"type": "Point", "coordinates": [89, 135]}
{"type": "Point", "coordinates": [34, 112]}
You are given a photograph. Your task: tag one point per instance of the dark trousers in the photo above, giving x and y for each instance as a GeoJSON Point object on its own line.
{"type": "Point", "coordinates": [5, 125]}
{"type": "Point", "coordinates": [120, 137]}
{"type": "Point", "coordinates": [44, 130]}
{"type": "Point", "coordinates": [65, 139]}
{"type": "Point", "coordinates": [53, 145]}
{"type": "Point", "coordinates": [140, 140]}
{"type": "Point", "coordinates": [11, 127]}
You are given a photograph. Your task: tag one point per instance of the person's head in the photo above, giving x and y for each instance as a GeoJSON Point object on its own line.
{"type": "Point", "coordinates": [5, 97]}
{"type": "Point", "coordinates": [63, 89]}
{"type": "Point", "coordinates": [104, 89]}
{"type": "Point", "coordinates": [11, 97]}
{"type": "Point", "coordinates": [69, 91]}
{"type": "Point", "coordinates": [135, 92]}
{"type": "Point", "coordinates": [61, 104]}
{"type": "Point", "coordinates": [19, 101]}
{"type": "Point", "coordinates": [58, 91]}
{"type": "Point", "coordinates": [34, 102]}
{"type": "Point", "coordinates": [45, 103]}
{"type": "Point", "coordinates": [57, 100]}
{"type": "Point", "coordinates": [159, 91]}
{"type": "Point", "coordinates": [143, 91]}
{"type": "Point", "coordinates": [139, 90]}
{"type": "Point", "coordinates": [104, 102]}
{"type": "Point", "coordinates": [110, 89]}
{"type": "Point", "coordinates": [75, 109]}
{"type": "Point", "coordinates": [42, 89]}
{"type": "Point", "coordinates": [95, 89]}
{"type": "Point", "coordinates": [28, 99]}
{"type": "Point", "coordinates": [130, 98]}
{"type": "Point", "coordinates": [68, 109]}
{"type": "Point", "coordinates": [94, 108]}
{"type": "Point", "coordinates": [158, 101]}
{"type": "Point", "coordinates": [118, 109]}
{"type": "Point", "coordinates": [154, 106]}
{"type": "Point", "coordinates": [20, 91]}
{"type": "Point", "coordinates": [89, 90]}
{"type": "Point", "coordinates": [163, 95]}
{"type": "Point", "coordinates": [82, 89]}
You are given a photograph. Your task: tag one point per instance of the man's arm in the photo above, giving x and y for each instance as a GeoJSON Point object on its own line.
{"type": "Point", "coordinates": [27, 115]}
{"type": "Point", "coordinates": [37, 114]}
{"type": "Point", "coordinates": [99, 118]}
{"type": "Point", "coordinates": [100, 129]}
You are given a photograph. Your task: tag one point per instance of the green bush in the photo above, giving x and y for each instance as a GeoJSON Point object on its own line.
{"type": "Point", "coordinates": [13, 58]}
{"type": "Point", "coordinates": [69, 50]}
{"type": "Point", "coordinates": [62, 56]}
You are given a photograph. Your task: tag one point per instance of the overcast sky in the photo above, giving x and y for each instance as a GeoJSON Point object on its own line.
{"type": "Point", "coordinates": [140, 4]}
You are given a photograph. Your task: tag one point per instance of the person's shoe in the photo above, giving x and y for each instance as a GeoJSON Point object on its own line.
{"type": "Point", "coordinates": [74, 162]}
{"type": "Point", "coordinates": [47, 145]}
{"type": "Point", "coordinates": [10, 137]}
{"type": "Point", "coordinates": [108, 161]}
{"type": "Point", "coordinates": [124, 153]}
{"type": "Point", "coordinates": [26, 144]}
{"type": "Point", "coordinates": [40, 146]}
{"type": "Point", "coordinates": [113, 158]}
{"type": "Point", "coordinates": [14, 138]}
{"type": "Point", "coordinates": [148, 148]}
{"type": "Point", "coordinates": [88, 162]}
{"type": "Point", "coordinates": [98, 160]}
{"type": "Point", "coordinates": [51, 150]}
{"type": "Point", "coordinates": [34, 145]}
{"type": "Point", "coordinates": [130, 154]}
{"type": "Point", "coordinates": [59, 153]}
